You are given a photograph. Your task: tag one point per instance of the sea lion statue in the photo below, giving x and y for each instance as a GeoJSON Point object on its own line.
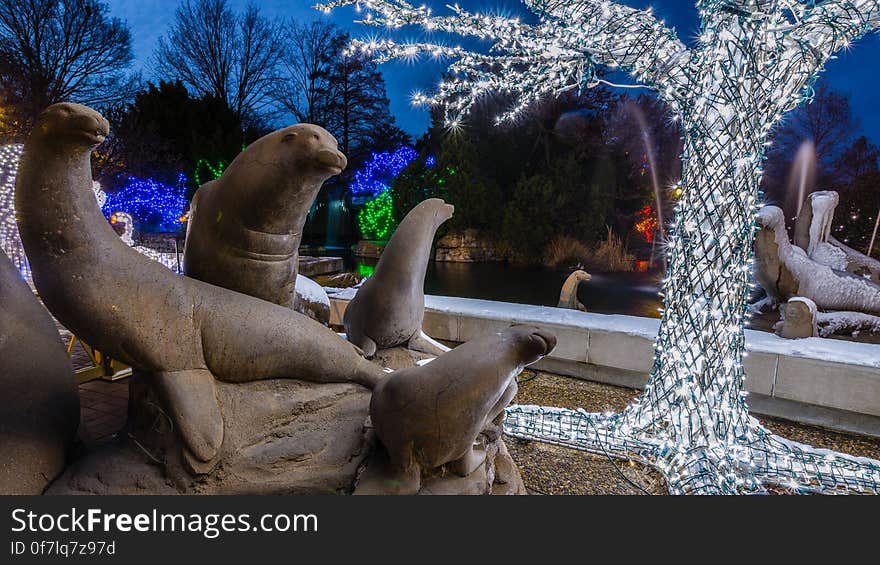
{"type": "Point", "coordinates": [245, 227]}
{"type": "Point", "coordinates": [39, 410]}
{"type": "Point", "coordinates": [785, 270]}
{"type": "Point", "coordinates": [568, 297]}
{"type": "Point", "coordinates": [431, 416]}
{"type": "Point", "coordinates": [183, 332]}
{"type": "Point", "coordinates": [799, 319]}
{"type": "Point", "coordinates": [389, 308]}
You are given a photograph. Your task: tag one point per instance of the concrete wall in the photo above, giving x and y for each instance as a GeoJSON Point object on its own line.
{"type": "Point", "coordinates": [827, 382]}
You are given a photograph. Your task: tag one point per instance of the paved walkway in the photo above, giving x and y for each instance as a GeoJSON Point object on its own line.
{"type": "Point", "coordinates": [103, 408]}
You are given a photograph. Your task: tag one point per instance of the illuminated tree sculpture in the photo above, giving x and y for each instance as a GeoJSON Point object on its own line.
{"type": "Point", "coordinates": [10, 242]}
{"type": "Point", "coordinates": [755, 60]}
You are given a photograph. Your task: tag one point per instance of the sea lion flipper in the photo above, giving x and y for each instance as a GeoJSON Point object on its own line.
{"type": "Point", "coordinates": [423, 343]}
{"type": "Point", "coordinates": [191, 398]}
{"type": "Point", "coordinates": [361, 341]}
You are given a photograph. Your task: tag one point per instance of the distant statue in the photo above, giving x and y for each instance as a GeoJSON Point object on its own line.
{"type": "Point", "coordinates": [785, 271]}
{"type": "Point", "coordinates": [812, 233]}
{"type": "Point", "coordinates": [799, 319]}
{"type": "Point", "coordinates": [568, 297]}
{"type": "Point", "coordinates": [126, 223]}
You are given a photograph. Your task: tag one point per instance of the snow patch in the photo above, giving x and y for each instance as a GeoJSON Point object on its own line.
{"type": "Point", "coordinates": [831, 323]}
{"type": "Point", "coordinates": [310, 291]}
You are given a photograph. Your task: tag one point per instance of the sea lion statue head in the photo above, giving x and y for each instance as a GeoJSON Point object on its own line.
{"type": "Point", "coordinates": [441, 210]}
{"type": "Point", "coordinates": [310, 150]}
{"type": "Point", "coordinates": [581, 276]}
{"type": "Point", "coordinates": [72, 126]}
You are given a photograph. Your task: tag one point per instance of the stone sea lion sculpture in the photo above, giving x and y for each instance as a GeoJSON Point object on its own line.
{"type": "Point", "coordinates": [799, 319]}
{"type": "Point", "coordinates": [245, 227]}
{"type": "Point", "coordinates": [784, 271]}
{"type": "Point", "coordinates": [812, 233]}
{"type": "Point", "coordinates": [389, 308]}
{"type": "Point", "coordinates": [568, 296]}
{"type": "Point", "coordinates": [184, 332]}
{"type": "Point", "coordinates": [39, 410]}
{"type": "Point", "coordinates": [430, 416]}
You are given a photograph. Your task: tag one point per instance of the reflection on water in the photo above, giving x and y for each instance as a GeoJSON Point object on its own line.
{"type": "Point", "coordinates": [635, 294]}
{"type": "Point", "coordinates": [609, 293]}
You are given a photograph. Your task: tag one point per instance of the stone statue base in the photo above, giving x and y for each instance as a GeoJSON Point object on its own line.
{"type": "Point", "coordinates": [498, 475]}
{"type": "Point", "coordinates": [281, 437]}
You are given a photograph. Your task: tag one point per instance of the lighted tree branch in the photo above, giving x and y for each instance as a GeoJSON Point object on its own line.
{"type": "Point", "coordinates": [530, 61]}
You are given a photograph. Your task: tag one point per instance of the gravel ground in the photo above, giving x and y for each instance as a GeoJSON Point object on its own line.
{"type": "Point", "coordinates": [550, 469]}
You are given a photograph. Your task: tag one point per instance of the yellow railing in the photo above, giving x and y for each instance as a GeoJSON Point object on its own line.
{"type": "Point", "coordinates": [102, 367]}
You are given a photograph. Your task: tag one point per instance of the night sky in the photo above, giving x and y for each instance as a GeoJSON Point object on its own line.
{"type": "Point", "coordinates": [855, 73]}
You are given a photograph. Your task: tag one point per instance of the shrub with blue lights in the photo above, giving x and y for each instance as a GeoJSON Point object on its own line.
{"type": "Point", "coordinates": [157, 206]}
{"type": "Point", "coordinates": [378, 172]}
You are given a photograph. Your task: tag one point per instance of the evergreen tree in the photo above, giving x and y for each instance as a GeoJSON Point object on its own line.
{"type": "Point", "coordinates": [166, 131]}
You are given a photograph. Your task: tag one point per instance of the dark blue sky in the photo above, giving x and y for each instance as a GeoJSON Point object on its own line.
{"type": "Point", "coordinates": [855, 73]}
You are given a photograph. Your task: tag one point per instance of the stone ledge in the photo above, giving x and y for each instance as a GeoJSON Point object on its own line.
{"type": "Point", "coordinates": [818, 374]}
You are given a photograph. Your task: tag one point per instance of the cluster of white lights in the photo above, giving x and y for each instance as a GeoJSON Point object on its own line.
{"type": "Point", "coordinates": [10, 241]}
{"type": "Point", "coordinates": [755, 60]}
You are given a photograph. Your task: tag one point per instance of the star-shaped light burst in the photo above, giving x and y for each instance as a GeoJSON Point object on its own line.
{"type": "Point", "coordinates": [755, 60]}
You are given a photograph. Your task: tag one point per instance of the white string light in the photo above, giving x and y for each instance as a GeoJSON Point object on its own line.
{"type": "Point", "coordinates": [10, 241]}
{"type": "Point", "coordinates": [755, 60]}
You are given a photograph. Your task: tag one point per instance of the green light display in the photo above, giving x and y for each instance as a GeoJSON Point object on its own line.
{"type": "Point", "coordinates": [376, 218]}
{"type": "Point", "coordinates": [213, 171]}
{"type": "Point", "coordinates": [366, 270]}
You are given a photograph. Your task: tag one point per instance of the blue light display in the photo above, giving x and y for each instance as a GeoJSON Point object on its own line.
{"type": "Point", "coordinates": [379, 171]}
{"type": "Point", "coordinates": [152, 203]}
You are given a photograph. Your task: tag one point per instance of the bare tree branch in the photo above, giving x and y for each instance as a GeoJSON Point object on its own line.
{"type": "Point", "coordinates": [231, 56]}
{"type": "Point", "coordinates": [306, 69]}
{"type": "Point", "coordinates": [60, 50]}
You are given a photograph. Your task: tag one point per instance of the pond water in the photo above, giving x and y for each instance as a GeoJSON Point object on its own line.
{"type": "Point", "coordinates": [635, 294]}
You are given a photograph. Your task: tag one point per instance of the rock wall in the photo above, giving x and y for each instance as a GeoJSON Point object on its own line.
{"type": "Point", "coordinates": [465, 247]}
